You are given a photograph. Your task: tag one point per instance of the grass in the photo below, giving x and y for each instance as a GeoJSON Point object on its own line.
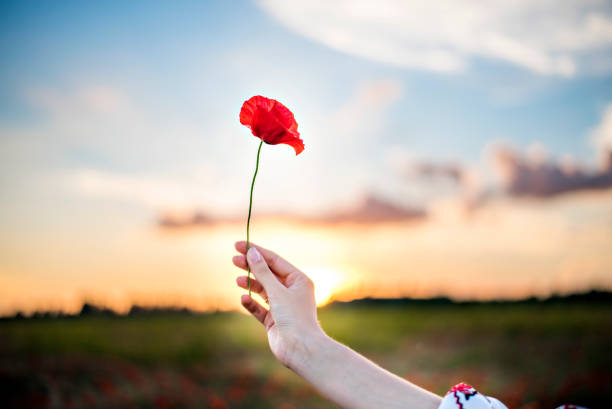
{"type": "Point", "coordinates": [534, 354]}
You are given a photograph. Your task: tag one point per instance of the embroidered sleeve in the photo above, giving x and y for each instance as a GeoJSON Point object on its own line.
{"type": "Point", "coordinates": [463, 396]}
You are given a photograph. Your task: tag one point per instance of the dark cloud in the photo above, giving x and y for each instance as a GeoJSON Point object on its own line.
{"type": "Point", "coordinates": [370, 210]}
{"type": "Point", "coordinates": [374, 210]}
{"type": "Point", "coordinates": [530, 174]}
{"type": "Point", "coordinates": [436, 170]}
{"type": "Point", "coordinates": [188, 220]}
{"type": "Point", "coordinates": [523, 175]}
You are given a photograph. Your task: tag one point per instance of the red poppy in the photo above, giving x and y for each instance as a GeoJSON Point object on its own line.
{"type": "Point", "coordinates": [271, 121]}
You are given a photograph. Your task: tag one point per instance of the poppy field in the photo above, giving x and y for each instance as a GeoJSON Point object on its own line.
{"type": "Point", "coordinates": [530, 355]}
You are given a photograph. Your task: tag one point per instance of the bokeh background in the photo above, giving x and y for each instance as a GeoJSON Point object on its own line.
{"type": "Point", "coordinates": [455, 150]}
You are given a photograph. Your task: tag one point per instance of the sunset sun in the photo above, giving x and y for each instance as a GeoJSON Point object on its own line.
{"type": "Point", "coordinates": [326, 282]}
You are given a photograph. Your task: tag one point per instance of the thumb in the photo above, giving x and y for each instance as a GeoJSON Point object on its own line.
{"type": "Point", "coordinates": [262, 272]}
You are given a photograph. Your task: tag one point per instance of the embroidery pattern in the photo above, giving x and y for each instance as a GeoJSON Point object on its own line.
{"type": "Point", "coordinates": [465, 389]}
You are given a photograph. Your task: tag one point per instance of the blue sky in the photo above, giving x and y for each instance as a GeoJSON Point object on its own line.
{"type": "Point", "coordinates": [152, 91]}
{"type": "Point", "coordinates": [178, 58]}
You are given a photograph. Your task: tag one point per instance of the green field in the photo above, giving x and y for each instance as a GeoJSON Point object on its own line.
{"type": "Point", "coordinates": [536, 354]}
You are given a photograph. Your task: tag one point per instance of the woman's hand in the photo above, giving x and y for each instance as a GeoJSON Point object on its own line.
{"type": "Point", "coordinates": [291, 321]}
{"type": "Point", "coordinates": [339, 373]}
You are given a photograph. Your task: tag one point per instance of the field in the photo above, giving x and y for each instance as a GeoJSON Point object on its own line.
{"type": "Point", "coordinates": [526, 354]}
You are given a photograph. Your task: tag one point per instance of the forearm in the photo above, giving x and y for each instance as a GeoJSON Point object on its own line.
{"type": "Point", "coordinates": [354, 382]}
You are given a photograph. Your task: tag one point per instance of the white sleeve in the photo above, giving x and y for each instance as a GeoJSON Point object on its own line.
{"type": "Point", "coordinates": [463, 396]}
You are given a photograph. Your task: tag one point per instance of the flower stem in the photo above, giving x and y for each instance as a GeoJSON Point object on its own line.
{"type": "Point", "coordinates": [249, 218]}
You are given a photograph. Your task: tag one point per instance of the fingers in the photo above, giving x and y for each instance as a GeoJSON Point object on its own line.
{"type": "Point", "coordinates": [279, 265]}
{"type": "Point", "coordinates": [254, 308]}
{"type": "Point", "coordinates": [263, 273]}
{"type": "Point", "coordinates": [240, 261]}
{"type": "Point", "coordinates": [256, 286]}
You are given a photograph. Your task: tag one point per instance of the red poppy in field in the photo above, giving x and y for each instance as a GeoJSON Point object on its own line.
{"type": "Point", "coordinates": [271, 121]}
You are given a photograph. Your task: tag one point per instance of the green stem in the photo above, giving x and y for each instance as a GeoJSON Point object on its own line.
{"type": "Point", "coordinates": [249, 218]}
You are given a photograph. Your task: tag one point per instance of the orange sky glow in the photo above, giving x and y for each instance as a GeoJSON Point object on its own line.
{"type": "Point", "coordinates": [508, 248]}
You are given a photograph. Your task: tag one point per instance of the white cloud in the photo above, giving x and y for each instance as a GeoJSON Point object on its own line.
{"type": "Point", "coordinates": [98, 99]}
{"type": "Point", "coordinates": [98, 141]}
{"type": "Point", "coordinates": [546, 37]}
{"type": "Point", "coordinates": [159, 193]}
{"type": "Point", "coordinates": [371, 100]}
{"type": "Point", "coordinates": [101, 142]}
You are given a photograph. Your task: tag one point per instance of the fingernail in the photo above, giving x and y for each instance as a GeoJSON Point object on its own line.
{"type": "Point", "coordinates": [253, 255]}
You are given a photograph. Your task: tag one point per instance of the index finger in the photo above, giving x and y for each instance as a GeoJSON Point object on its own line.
{"type": "Point", "coordinates": [277, 264]}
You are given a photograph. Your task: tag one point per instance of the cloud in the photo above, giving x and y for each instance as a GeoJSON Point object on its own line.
{"type": "Point", "coordinates": [436, 170]}
{"type": "Point", "coordinates": [100, 141]}
{"type": "Point", "coordinates": [114, 146]}
{"type": "Point", "coordinates": [360, 121]}
{"type": "Point", "coordinates": [151, 191]}
{"type": "Point", "coordinates": [536, 175]}
{"type": "Point", "coordinates": [373, 209]}
{"type": "Point", "coordinates": [510, 172]}
{"type": "Point", "coordinates": [546, 37]}
{"type": "Point", "coordinates": [91, 99]}
{"type": "Point", "coordinates": [530, 174]}
{"type": "Point", "coordinates": [195, 219]}
{"type": "Point", "coordinates": [95, 123]}
{"type": "Point", "coordinates": [424, 180]}
{"type": "Point", "coordinates": [370, 210]}
{"type": "Point", "coordinates": [370, 100]}
{"type": "Point", "coordinates": [146, 190]}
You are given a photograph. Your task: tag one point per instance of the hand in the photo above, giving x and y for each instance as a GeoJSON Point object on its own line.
{"type": "Point", "coordinates": [291, 320]}
{"type": "Point", "coordinates": [296, 339]}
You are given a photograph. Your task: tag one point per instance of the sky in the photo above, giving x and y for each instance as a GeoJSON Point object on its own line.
{"type": "Point", "coordinates": [452, 148]}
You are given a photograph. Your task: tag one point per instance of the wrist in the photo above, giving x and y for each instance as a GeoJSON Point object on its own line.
{"type": "Point", "coordinates": [307, 348]}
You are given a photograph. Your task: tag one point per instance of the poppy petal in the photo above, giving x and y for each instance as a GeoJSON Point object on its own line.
{"type": "Point", "coordinates": [267, 127]}
{"type": "Point", "coordinates": [284, 116]}
{"type": "Point", "coordinates": [250, 106]}
{"type": "Point", "coordinates": [295, 142]}
{"type": "Point", "coordinates": [271, 121]}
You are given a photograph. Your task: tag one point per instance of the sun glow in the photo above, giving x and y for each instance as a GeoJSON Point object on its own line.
{"type": "Point", "coordinates": [326, 281]}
